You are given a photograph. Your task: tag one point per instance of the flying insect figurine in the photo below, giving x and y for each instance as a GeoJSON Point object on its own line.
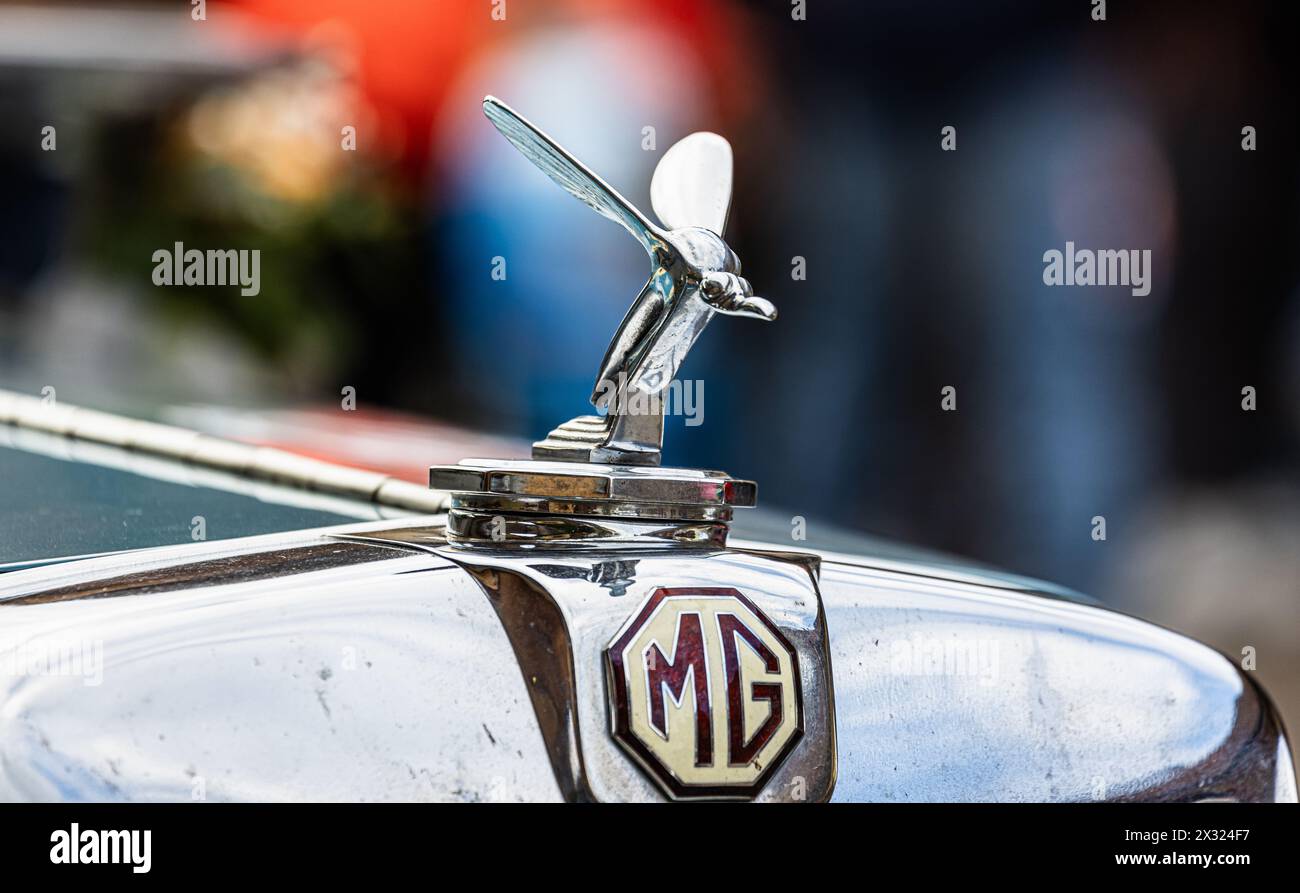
{"type": "Point", "coordinates": [694, 274]}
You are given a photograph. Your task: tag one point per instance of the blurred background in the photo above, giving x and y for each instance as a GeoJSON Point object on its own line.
{"type": "Point", "coordinates": [923, 266]}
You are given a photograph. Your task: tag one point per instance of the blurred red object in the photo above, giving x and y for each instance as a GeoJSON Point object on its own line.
{"type": "Point", "coordinates": [394, 443]}
{"type": "Point", "coordinates": [405, 54]}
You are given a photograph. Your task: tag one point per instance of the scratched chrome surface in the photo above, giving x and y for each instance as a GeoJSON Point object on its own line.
{"type": "Point", "coordinates": [307, 666]}
{"type": "Point", "coordinates": [381, 676]}
{"type": "Point", "coordinates": [1065, 701]}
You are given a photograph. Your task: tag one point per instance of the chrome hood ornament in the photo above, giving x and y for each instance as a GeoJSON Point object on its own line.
{"type": "Point", "coordinates": [693, 274]}
{"type": "Point", "coordinates": [597, 476]}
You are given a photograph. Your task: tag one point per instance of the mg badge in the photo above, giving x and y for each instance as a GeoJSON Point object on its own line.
{"type": "Point", "coordinates": [705, 692]}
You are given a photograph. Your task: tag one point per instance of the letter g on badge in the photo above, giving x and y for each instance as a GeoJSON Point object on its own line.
{"type": "Point", "coordinates": [704, 692]}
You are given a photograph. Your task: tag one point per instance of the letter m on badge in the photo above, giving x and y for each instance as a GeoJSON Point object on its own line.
{"type": "Point", "coordinates": [704, 693]}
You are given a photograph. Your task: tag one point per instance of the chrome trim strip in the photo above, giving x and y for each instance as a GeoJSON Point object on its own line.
{"type": "Point", "coordinates": [205, 451]}
{"type": "Point", "coordinates": [90, 573]}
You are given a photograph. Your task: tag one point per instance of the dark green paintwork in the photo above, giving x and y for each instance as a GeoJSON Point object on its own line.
{"type": "Point", "coordinates": [51, 509]}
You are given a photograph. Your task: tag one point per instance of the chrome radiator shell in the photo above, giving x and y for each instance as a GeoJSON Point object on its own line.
{"type": "Point", "coordinates": [361, 663]}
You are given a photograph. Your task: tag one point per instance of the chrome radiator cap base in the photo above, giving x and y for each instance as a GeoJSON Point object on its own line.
{"type": "Point", "coordinates": [529, 502]}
